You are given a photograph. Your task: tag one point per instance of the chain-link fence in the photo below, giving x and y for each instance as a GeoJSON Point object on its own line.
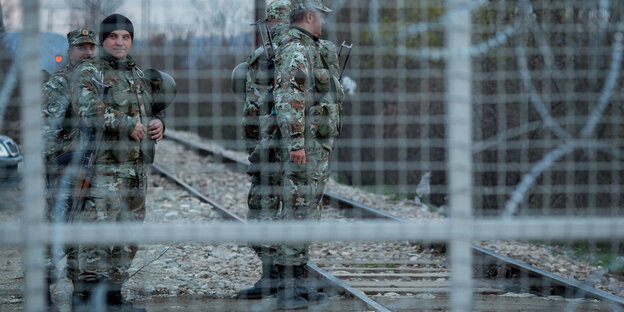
{"type": "Point", "coordinates": [502, 119]}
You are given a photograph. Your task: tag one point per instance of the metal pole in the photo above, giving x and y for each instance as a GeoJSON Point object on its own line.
{"type": "Point", "coordinates": [259, 12]}
{"type": "Point", "coordinates": [459, 125]}
{"type": "Point", "coordinates": [32, 220]}
{"type": "Point", "coordinates": [2, 30]}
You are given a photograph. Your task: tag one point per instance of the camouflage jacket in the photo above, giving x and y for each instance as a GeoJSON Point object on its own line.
{"type": "Point", "coordinates": [109, 96]}
{"type": "Point", "coordinates": [60, 132]}
{"type": "Point", "coordinates": [302, 80]}
{"type": "Point", "coordinates": [259, 85]}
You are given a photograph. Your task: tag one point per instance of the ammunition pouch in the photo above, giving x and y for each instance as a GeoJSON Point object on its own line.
{"type": "Point", "coordinates": [322, 80]}
{"type": "Point", "coordinates": [330, 96]}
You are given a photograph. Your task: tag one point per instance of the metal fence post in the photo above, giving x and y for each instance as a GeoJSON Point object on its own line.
{"type": "Point", "coordinates": [459, 133]}
{"type": "Point", "coordinates": [32, 221]}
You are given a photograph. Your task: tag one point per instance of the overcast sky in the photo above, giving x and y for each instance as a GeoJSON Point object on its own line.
{"type": "Point", "coordinates": [165, 16]}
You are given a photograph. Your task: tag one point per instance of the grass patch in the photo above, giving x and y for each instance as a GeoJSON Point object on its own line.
{"type": "Point", "coordinates": [606, 254]}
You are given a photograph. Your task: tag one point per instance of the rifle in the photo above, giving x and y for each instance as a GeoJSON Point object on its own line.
{"type": "Point", "coordinates": [264, 154]}
{"type": "Point", "coordinates": [267, 44]}
{"type": "Point", "coordinates": [86, 171]}
{"type": "Point", "coordinates": [346, 59]}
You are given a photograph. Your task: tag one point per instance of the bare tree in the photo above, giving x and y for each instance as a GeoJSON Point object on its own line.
{"type": "Point", "coordinates": [89, 13]}
{"type": "Point", "coordinates": [221, 16]}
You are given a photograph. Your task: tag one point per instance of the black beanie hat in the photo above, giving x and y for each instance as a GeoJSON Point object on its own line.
{"type": "Point", "coordinates": [115, 22]}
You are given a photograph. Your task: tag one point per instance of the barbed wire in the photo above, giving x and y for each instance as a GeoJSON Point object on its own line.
{"type": "Point", "coordinates": [605, 95]}
{"type": "Point", "coordinates": [527, 17]}
{"type": "Point", "coordinates": [546, 162]}
{"type": "Point", "coordinates": [441, 21]}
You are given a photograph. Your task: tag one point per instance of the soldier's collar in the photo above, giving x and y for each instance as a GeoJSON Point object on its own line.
{"type": "Point", "coordinates": [315, 38]}
{"type": "Point", "coordinates": [124, 63]}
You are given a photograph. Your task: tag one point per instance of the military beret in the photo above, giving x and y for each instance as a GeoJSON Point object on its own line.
{"type": "Point", "coordinates": [81, 35]}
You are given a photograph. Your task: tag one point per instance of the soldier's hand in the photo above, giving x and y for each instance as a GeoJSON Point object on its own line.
{"type": "Point", "coordinates": [156, 129]}
{"type": "Point", "coordinates": [139, 132]}
{"type": "Point", "coordinates": [298, 156]}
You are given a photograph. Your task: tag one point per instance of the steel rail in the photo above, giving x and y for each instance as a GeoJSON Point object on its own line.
{"type": "Point", "coordinates": [222, 210]}
{"type": "Point", "coordinates": [568, 287]}
{"type": "Point", "coordinates": [330, 280]}
{"type": "Point", "coordinates": [548, 279]}
{"type": "Point", "coordinates": [320, 273]}
{"type": "Point", "coordinates": [342, 202]}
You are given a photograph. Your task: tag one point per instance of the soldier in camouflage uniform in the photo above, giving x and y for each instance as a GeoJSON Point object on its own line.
{"type": "Point", "coordinates": [260, 135]}
{"type": "Point", "coordinates": [111, 97]}
{"type": "Point", "coordinates": [306, 105]}
{"type": "Point", "coordinates": [60, 136]}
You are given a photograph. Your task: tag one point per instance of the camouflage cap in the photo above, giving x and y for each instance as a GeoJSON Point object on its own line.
{"type": "Point", "coordinates": [81, 35]}
{"type": "Point", "coordinates": [278, 10]}
{"type": "Point", "coordinates": [309, 4]}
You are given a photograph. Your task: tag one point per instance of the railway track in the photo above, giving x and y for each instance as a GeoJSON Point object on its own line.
{"type": "Point", "coordinates": [362, 275]}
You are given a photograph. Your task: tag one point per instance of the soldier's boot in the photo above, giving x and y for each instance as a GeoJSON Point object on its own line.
{"type": "Point", "coordinates": [308, 290]}
{"type": "Point", "coordinates": [266, 286]}
{"type": "Point", "coordinates": [82, 295]}
{"type": "Point", "coordinates": [115, 301]}
{"type": "Point", "coordinates": [289, 290]}
{"type": "Point", "coordinates": [51, 307]}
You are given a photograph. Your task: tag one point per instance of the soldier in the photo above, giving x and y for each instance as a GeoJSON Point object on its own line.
{"type": "Point", "coordinates": [259, 132]}
{"type": "Point", "coordinates": [306, 105]}
{"type": "Point", "coordinates": [60, 135]}
{"type": "Point", "coordinates": [111, 98]}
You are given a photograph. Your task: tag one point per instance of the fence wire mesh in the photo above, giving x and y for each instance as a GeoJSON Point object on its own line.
{"type": "Point", "coordinates": [488, 124]}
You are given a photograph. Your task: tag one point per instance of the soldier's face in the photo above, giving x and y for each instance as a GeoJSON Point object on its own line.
{"type": "Point", "coordinates": [81, 51]}
{"type": "Point", "coordinates": [118, 43]}
{"type": "Point", "coordinates": [318, 19]}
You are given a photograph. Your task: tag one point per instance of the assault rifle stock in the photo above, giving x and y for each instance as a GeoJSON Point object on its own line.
{"type": "Point", "coordinates": [267, 44]}
{"type": "Point", "coordinates": [86, 171]}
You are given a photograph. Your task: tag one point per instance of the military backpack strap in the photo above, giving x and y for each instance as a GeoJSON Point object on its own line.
{"type": "Point", "coordinates": [147, 144]}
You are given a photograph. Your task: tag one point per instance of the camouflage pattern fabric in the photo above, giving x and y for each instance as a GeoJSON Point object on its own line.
{"type": "Point", "coordinates": [60, 135]}
{"type": "Point", "coordinates": [303, 88]}
{"type": "Point", "coordinates": [331, 102]}
{"type": "Point", "coordinates": [260, 135]}
{"type": "Point", "coordinates": [309, 4]}
{"type": "Point", "coordinates": [278, 10]}
{"type": "Point", "coordinates": [58, 132]}
{"type": "Point", "coordinates": [126, 205]}
{"type": "Point", "coordinates": [109, 97]}
{"type": "Point", "coordinates": [80, 36]}
{"type": "Point", "coordinates": [259, 84]}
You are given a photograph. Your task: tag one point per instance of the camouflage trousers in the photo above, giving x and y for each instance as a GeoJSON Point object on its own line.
{"type": "Point", "coordinates": [58, 191]}
{"type": "Point", "coordinates": [264, 203]}
{"type": "Point", "coordinates": [302, 191]}
{"type": "Point", "coordinates": [110, 199]}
